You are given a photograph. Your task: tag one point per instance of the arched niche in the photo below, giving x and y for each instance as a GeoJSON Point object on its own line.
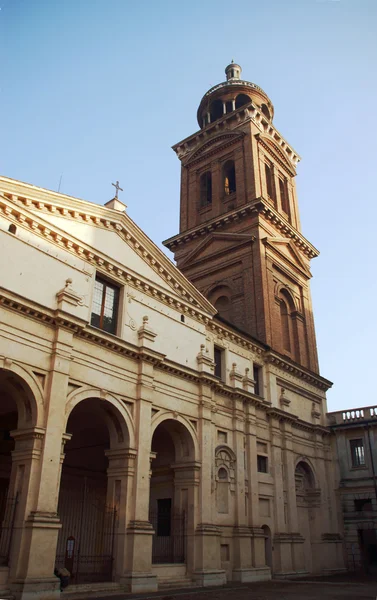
{"type": "Point", "coordinates": [220, 297]}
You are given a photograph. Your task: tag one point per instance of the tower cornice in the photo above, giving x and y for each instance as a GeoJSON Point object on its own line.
{"type": "Point", "coordinates": [260, 206]}
{"type": "Point", "coordinates": [232, 121]}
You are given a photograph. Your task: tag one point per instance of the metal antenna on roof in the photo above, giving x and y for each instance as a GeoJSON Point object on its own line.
{"type": "Point", "coordinates": [60, 182]}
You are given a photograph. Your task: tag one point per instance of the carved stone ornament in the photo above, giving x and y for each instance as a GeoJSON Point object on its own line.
{"type": "Point", "coordinates": [145, 332]}
{"type": "Point", "coordinates": [283, 400]}
{"type": "Point", "coordinates": [67, 295]}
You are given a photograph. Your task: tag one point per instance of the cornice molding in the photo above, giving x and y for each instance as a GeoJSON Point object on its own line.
{"type": "Point", "coordinates": [298, 371]}
{"type": "Point", "coordinates": [258, 206]}
{"type": "Point", "coordinates": [18, 209]}
{"type": "Point", "coordinates": [297, 423]}
{"type": "Point", "coordinates": [230, 122]}
{"type": "Point", "coordinates": [211, 145]}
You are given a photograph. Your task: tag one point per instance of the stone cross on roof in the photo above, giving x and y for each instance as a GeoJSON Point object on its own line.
{"type": "Point", "coordinates": [117, 188]}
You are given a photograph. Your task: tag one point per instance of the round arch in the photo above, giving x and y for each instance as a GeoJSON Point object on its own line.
{"type": "Point", "coordinates": [30, 402]}
{"type": "Point", "coordinates": [119, 420]}
{"type": "Point", "coordinates": [221, 298]}
{"type": "Point", "coordinates": [241, 100]}
{"type": "Point", "coordinates": [285, 294]}
{"type": "Point", "coordinates": [170, 416]}
{"type": "Point", "coordinates": [308, 468]}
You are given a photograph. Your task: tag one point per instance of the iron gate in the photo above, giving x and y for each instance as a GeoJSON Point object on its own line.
{"type": "Point", "coordinates": [7, 520]}
{"type": "Point", "coordinates": [169, 540]}
{"type": "Point", "coordinates": [86, 540]}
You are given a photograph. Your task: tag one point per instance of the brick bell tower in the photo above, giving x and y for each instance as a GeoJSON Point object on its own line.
{"type": "Point", "coordinates": [240, 239]}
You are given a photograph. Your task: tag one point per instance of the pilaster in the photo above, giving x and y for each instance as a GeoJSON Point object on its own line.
{"type": "Point", "coordinates": [138, 575]}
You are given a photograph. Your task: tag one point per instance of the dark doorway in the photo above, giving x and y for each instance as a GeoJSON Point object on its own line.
{"type": "Point", "coordinates": [86, 540]}
{"type": "Point", "coordinates": [368, 549]}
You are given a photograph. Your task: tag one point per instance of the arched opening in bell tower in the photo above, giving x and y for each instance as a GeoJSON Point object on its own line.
{"type": "Point", "coordinates": [241, 100]}
{"type": "Point", "coordinates": [229, 178]}
{"type": "Point", "coordinates": [205, 186]}
{"type": "Point", "coordinates": [216, 110]}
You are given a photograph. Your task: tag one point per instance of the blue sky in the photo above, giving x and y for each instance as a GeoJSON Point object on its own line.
{"type": "Point", "coordinates": [100, 90]}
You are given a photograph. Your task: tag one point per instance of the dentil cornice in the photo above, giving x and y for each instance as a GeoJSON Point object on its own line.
{"type": "Point", "coordinates": [18, 201]}
{"type": "Point", "coordinates": [260, 206]}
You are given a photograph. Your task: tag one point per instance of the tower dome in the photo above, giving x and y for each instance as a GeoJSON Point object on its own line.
{"type": "Point", "coordinates": [230, 95]}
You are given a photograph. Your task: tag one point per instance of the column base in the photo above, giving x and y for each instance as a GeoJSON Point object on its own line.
{"type": "Point", "coordinates": [209, 577]}
{"type": "Point", "coordinates": [251, 574]}
{"type": "Point", "coordinates": [139, 582]}
{"type": "Point", "coordinates": [290, 574]}
{"type": "Point", "coordinates": [36, 589]}
{"type": "Point", "coordinates": [4, 586]}
{"type": "Point", "coordinates": [4, 576]}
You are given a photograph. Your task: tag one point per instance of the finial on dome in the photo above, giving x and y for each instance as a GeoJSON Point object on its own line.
{"type": "Point", "coordinates": [233, 71]}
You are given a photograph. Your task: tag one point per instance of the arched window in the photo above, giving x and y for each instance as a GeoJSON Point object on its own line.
{"type": "Point", "coordinates": [206, 189]}
{"type": "Point", "coordinates": [229, 177]}
{"type": "Point", "coordinates": [284, 320]}
{"type": "Point", "coordinates": [284, 196]}
{"type": "Point", "coordinates": [241, 100]}
{"type": "Point", "coordinates": [216, 110]}
{"type": "Point", "coordinates": [229, 106]}
{"type": "Point", "coordinates": [222, 491]}
{"type": "Point", "coordinates": [270, 182]}
{"type": "Point", "coordinates": [12, 228]}
{"type": "Point", "coordinates": [304, 477]}
{"type": "Point", "coordinates": [266, 112]}
{"type": "Point", "coordinates": [223, 474]}
{"type": "Point", "coordinates": [289, 336]}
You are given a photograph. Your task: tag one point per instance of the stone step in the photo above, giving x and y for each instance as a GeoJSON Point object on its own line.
{"type": "Point", "coordinates": [171, 583]}
{"type": "Point", "coordinates": [87, 590]}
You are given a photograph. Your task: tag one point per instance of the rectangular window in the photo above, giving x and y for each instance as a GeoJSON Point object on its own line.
{"type": "Point", "coordinates": [105, 305]}
{"type": "Point", "coordinates": [363, 504]}
{"type": "Point", "coordinates": [164, 517]}
{"type": "Point", "coordinates": [270, 182]}
{"type": "Point", "coordinates": [262, 464]}
{"type": "Point", "coordinates": [218, 358]}
{"type": "Point", "coordinates": [222, 437]}
{"type": "Point", "coordinates": [257, 376]}
{"type": "Point", "coordinates": [357, 452]}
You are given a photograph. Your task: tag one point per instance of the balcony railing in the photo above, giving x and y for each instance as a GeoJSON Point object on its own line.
{"type": "Point", "coordinates": [353, 415]}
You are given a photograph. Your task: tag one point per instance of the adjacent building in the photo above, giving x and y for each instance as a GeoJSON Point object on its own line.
{"type": "Point", "coordinates": [355, 446]}
{"type": "Point", "coordinates": [164, 425]}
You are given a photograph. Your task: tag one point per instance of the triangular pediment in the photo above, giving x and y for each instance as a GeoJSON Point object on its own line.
{"type": "Point", "coordinates": [214, 244]}
{"type": "Point", "coordinates": [212, 144]}
{"type": "Point", "coordinates": [90, 230]}
{"type": "Point", "coordinates": [286, 249]}
{"type": "Point", "coordinates": [277, 152]}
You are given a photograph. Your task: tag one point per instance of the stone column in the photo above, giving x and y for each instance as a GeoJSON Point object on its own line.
{"type": "Point", "coordinates": [295, 538]}
{"type": "Point", "coordinates": [22, 490]}
{"type": "Point", "coordinates": [138, 575]}
{"type": "Point", "coordinates": [35, 567]}
{"type": "Point", "coordinates": [207, 545]}
{"type": "Point", "coordinates": [282, 541]}
{"type": "Point", "coordinates": [120, 474]}
{"type": "Point", "coordinates": [259, 569]}
{"type": "Point", "coordinates": [242, 570]}
{"type": "Point", "coordinates": [186, 488]}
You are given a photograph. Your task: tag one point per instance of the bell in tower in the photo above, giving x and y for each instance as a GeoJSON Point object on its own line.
{"type": "Point", "coordinates": [240, 240]}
